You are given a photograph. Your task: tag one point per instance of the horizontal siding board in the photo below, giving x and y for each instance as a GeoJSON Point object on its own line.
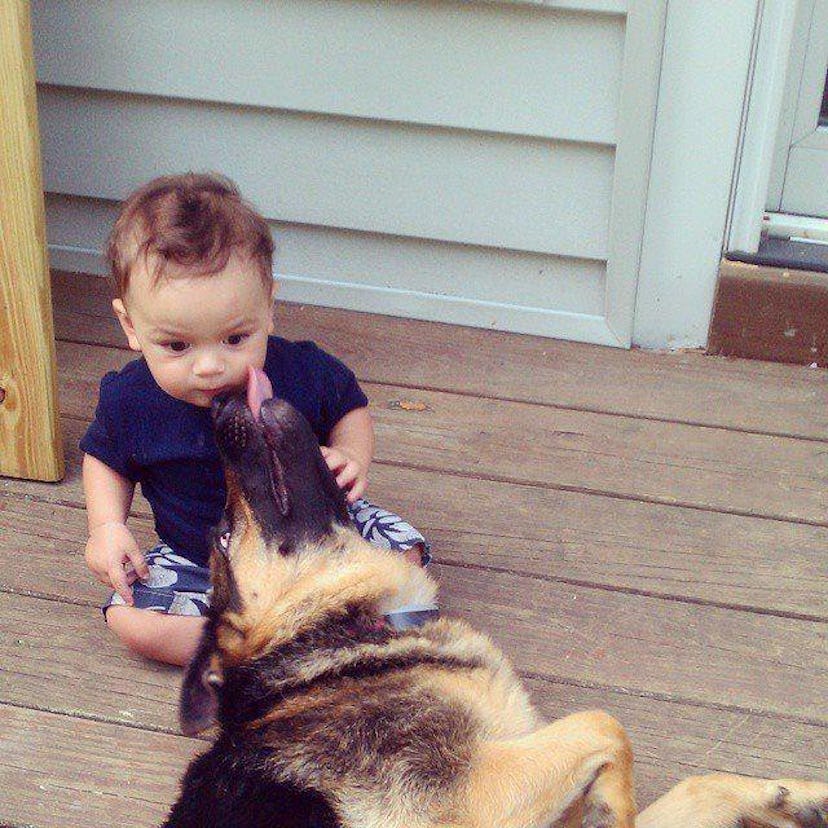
{"type": "Point", "coordinates": [449, 64]}
{"type": "Point", "coordinates": [604, 6]}
{"type": "Point", "coordinates": [578, 327]}
{"type": "Point", "coordinates": [517, 193]}
{"type": "Point", "coordinates": [308, 258]}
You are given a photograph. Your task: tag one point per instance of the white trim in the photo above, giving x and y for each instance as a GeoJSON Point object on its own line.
{"type": "Point", "coordinates": [597, 6]}
{"type": "Point", "coordinates": [795, 228]}
{"type": "Point", "coordinates": [784, 134]}
{"type": "Point", "coordinates": [578, 327]}
{"type": "Point", "coordinates": [816, 140]}
{"type": "Point", "coordinates": [643, 55]}
{"type": "Point", "coordinates": [707, 51]}
{"type": "Point", "coordinates": [764, 108]}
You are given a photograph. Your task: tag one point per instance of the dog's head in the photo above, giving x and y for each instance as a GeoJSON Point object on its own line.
{"type": "Point", "coordinates": [282, 500]}
{"type": "Point", "coordinates": [280, 492]}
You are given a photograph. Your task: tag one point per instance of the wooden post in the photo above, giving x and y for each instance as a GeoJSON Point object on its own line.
{"type": "Point", "coordinates": [30, 443]}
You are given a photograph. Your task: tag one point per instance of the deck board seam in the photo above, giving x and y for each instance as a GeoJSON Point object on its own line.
{"type": "Point", "coordinates": [585, 490]}
{"type": "Point", "coordinates": [672, 699]}
{"type": "Point", "coordinates": [554, 680]}
{"type": "Point", "coordinates": [664, 596]}
{"type": "Point", "coordinates": [681, 599]}
{"type": "Point", "coordinates": [574, 489]}
{"type": "Point", "coordinates": [537, 403]}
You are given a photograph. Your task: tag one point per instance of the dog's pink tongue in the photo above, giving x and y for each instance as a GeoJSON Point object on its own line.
{"type": "Point", "coordinates": [259, 389]}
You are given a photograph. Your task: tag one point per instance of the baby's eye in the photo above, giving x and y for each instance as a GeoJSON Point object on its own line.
{"type": "Point", "coordinates": [237, 339]}
{"type": "Point", "coordinates": [177, 347]}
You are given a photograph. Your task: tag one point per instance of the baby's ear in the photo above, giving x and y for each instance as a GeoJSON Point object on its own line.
{"type": "Point", "coordinates": [273, 291]}
{"type": "Point", "coordinates": [198, 704]}
{"type": "Point", "coordinates": [126, 324]}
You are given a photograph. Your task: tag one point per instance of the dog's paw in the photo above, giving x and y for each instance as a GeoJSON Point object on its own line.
{"type": "Point", "coordinates": [798, 803]}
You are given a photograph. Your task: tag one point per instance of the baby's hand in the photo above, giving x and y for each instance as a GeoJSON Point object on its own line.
{"type": "Point", "coordinates": [113, 556]}
{"type": "Point", "coordinates": [351, 477]}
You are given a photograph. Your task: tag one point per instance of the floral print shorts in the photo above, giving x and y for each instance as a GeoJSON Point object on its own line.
{"type": "Point", "coordinates": [178, 586]}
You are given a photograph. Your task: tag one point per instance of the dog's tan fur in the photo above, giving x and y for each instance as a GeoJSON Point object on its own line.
{"type": "Point", "coordinates": [516, 773]}
{"type": "Point", "coordinates": [423, 728]}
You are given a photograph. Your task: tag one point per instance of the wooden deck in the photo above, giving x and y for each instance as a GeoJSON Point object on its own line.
{"type": "Point", "coordinates": [641, 532]}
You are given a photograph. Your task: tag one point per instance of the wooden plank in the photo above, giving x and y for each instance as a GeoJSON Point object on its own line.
{"type": "Point", "coordinates": [647, 645]}
{"type": "Point", "coordinates": [348, 173]}
{"type": "Point", "coordinates": [754, 474]}
{"type": "Point", "coordinates": [638, 644]}
{"type": "Point", "coordinates": [42, 545]}
{"type": "Point", "coordinates": [52, 765]}
{"type": "Point", "coordinates": [440, 64]}
{"type": "Point", "coordinates": [672, 739]}
{"type": "Point", "coordinates": [684, 387]}
{"type": "Point", "coordinates": [667, 552]}
{"type": "Point", "coordinates": [30, 444]}
{"type": "Point", "coordinates": [56, 770]}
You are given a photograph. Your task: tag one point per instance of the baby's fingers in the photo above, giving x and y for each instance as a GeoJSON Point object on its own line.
{"type": "Point", "coordinates": [118, 577]}
{"type": "Point", "coordinates": [139, 563]}
{"type": "Point", "coordinates": [356, 491]}
{"type": "Point", "coordinates": [347, 475]}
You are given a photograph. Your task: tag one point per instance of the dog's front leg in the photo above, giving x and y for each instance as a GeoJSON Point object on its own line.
{"type": "Point", "coordinates": [581, 762]}
{"type": "Point", "coordinates": [724, 800]}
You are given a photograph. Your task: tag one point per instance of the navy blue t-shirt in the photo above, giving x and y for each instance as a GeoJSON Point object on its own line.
{"type": "Point", "coordinates": [168, 446]}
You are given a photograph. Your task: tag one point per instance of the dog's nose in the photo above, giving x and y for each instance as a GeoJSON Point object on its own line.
{"type": "Point", "coordinates": [233, 424]}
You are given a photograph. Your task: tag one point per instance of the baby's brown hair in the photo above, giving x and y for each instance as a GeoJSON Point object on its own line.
{"type": "Point", "coordinates": [195, 221]}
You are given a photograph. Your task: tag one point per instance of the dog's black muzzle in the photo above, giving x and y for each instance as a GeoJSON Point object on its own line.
{"type": "Point", "coordinates": [275, 471]}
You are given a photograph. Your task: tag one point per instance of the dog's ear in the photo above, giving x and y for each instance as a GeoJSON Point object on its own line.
{"type": "Point", "coordinates": [198, 704]}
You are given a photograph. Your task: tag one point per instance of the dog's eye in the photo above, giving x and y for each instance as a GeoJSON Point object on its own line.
{"type": "Point", "coordinates": [221, 537]}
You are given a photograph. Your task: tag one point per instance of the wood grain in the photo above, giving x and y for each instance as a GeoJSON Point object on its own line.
{"type": "Point", "coordinates": [673, 463]}
{"type": "Point", "coordinates": [637, 644]}
{"type": "Point", "coordinates": [30, 444]}
{"type": "Point", "coordinates": [697, 627]}
{"type": "Point", "coordinates": [671, 739]}
{"type": "Point", "coordinates": [769, 566]}
{"type": "Point", "coordinates": [687, 387]}
{"type": "Point", "coordinates": [58, 770]}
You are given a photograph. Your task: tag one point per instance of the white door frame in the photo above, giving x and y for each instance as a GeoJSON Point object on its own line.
{"type": "Point", "coordinates": [771, 116]}
{"type": "Point", "coordinates": [764, 105]}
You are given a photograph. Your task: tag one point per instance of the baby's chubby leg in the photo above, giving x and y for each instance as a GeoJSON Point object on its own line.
{"type": "Point", "coordinates": [169, 638]}
{"type": "Point", "coordinates": [165, 618]}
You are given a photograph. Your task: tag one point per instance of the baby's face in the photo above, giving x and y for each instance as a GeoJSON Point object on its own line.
{"type": "Point", "coordinates": [198, 334]}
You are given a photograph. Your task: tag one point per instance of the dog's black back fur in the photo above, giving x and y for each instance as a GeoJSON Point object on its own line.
{"type": "Point", "coordinates": [228, 788]}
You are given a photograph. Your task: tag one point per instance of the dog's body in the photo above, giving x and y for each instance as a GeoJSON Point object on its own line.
{"type": "Point", "coordinates": [330, 717]}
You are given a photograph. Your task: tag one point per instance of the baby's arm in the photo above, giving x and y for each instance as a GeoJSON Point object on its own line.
{"type": "Point", "coordinates": [110, 545]}
{"type": "Point", "coordinates": [350, 451]}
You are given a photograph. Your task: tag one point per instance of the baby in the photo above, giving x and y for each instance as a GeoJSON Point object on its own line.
{"type": "Point", "coordinates": [191, 265]}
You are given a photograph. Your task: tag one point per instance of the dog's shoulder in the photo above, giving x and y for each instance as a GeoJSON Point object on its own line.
{"type": "Point", "coordinates": [231, 784]}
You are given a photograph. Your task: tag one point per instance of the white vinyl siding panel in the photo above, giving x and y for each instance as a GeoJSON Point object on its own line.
{"type": "Point", "coordinates": [502, 191]}
{"type": "Point", "coordinates": [383, 264]}
{"type": "Point", "coordinates": [475, 162]}
{"type": "Point", "coordinates": [483, 67]}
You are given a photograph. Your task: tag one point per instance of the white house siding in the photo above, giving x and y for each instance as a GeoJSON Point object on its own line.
{"type": "Point", "coordinates": [469, 162]}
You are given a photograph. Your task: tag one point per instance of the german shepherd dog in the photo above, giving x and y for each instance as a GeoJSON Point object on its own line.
{"type": "Point", "coordinates": [328, 716]}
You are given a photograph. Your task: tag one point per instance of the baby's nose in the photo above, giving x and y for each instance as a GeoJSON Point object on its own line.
{"type": "Point", "coordinates": [207, 363]}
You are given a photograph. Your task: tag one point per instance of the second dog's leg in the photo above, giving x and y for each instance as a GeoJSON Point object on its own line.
{"type": "Point", "coordinates": [723, 800]}
{"type": "Point", "coordinates": [532, 782]}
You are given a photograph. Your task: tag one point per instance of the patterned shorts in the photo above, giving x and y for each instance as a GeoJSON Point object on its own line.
{"type": "Point", "coordinates": [177, 586]}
